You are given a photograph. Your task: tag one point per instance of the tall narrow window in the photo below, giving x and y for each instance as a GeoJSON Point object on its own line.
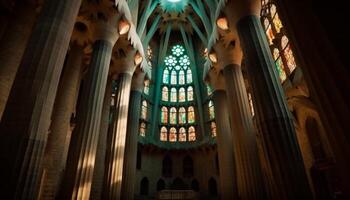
{"type": "Point", "coordinates": [191, 117]}
{"type": "Point", "coordinates": [181, 77]}
{"type": "Point", "coordinates": [164, 115]}
{"type": "Point", "coordinates": [191, 134]}
{"type": "Point", "coordinates": [142, 129]}
{"type": "Point", "coordinates": [211, 110]}
{"type": "Point", "coordinates": [190, 93]}
{"type": "Point", "coordinates": [182, 95]}
{"type": "Point", "coordinates": [182, 134]}
{"type": "Point", "coordinates": [173, 95]}
{"type": "Point", "coordinates": [182, 115]}
{"type": "Point", "coordinates": [209, 90]}
{"type": "Point", "coordinates": [213, 129]}
{"type": "Point", "coordinates": [250, 99]}
{"type": "Point", "coordinates": [163, 134]}
{"type": "Point", "coordinates": [173, 77]}
{"type": "Point", "coordinates": [172, 135]}
{"type": "Point", "coordinates": [189, 76]}
{"type": "Point", "coordinates": [144, 110]}
{"type": "Point", "coordinates": [173, 115]}
{"type": "Point", "coordinates": [166, 76]}
{"type": "Point", "coordinates": [165, 94]}
{"type": "Point", "coordinates": [146, 87]}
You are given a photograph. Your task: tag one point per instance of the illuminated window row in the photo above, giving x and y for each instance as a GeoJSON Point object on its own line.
{"type": "Point", "coordinates": [177, 116]}
{"type": "Point", "coordinates": [181, 77]}
{"type": "Point", "coordinates": [177, 96]}
{"type": "Point", "coordinates": [181, 135]}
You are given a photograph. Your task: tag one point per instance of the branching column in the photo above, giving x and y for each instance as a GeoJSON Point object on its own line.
{"type": "Point", "coordinates": [26, 119]}
{"type": "Point", "coordinates": [82, 150]}
{"type": "Point", "coordinates": [271, 109]}
{"type": "Point", "coordinates": [228, 176]}
{"type": "Point", "coordinates": [249, 177]}
{"type": "Point", "coordinates": [116, 150]}
{"type": "Point", "coordinates": [130, 155]}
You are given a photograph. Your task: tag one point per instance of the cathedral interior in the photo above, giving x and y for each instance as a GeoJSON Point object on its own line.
{"type": "Point", "coordinates": [174, 99]}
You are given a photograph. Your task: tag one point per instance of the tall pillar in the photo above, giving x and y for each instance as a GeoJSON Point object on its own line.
{"type": "Point", "coordinates": [82, 149]}
{"type": "Point", "coordinates": [249, 177]}
{"type": "Point", "coordinates": [99, 170]}
{"type": "Point", "coordinates": [130, 155]}
{"type": "Point", "coordinates": [227, 165]}
{"type": "Point", "coordinates": [60, 127]}
{"type": "Point", "coordinates": [12, 46]}
{"type": "Point", "coordinates": [271, 109]}
{"type": "Point", "coordinates": [26, 119]}
{"type": "Point", "coordinates": [117, 146]}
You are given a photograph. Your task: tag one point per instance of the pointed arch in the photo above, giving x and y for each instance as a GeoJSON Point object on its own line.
{"type": "Point", "coordinates": [190, 93]}
{"type": "Point", "coordinates": [166, 76]}
{"type": "Point", "coordinates": [173, 95]}
{"type": "Point", "coordinates": [182, 95]}
{"type": "Point", "coordinates": [165, 94]}
{"type": "Point", "coordinates": [182, 115]}
{"type": "Point", "coordinates": [173, 135]}
{"type": "Point", "coordinates": [164, 115]}
{"type": "Point", "coordinates": [182, 135]}
{"type": "Point", "coordinates": [163, 134]}
{"type": "Point", "coordinates": [173, 113]}
{"type": "Point", "coordinates": [190, 115]}
{"type": "Point", "coordinates": [191, 134]}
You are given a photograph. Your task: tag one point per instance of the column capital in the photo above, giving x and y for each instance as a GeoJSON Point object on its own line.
{"type": "Point", "coordinates": [227, 54]}
{"type": "Point", "coordinates": [123, 60]}
{"type": "Point", "coordinates": [107, 31]}
{"type": "Point", "coordinates": [215, 79]}
{"type": "Point", "coordinates": [138, 80]}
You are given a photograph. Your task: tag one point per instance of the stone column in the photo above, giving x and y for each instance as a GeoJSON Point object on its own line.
{"type": "Point", "coordinates": [99, 170]}
{"type": "Point", "coordinates": [12, 46]}
{"type": "Point", "coordinates": [271, 109]}
{"type": "Point", "coordinates": [82, 149]}
{"type": "Point", "coordinates": [26, 119]}
{"type": "Point", "coordinates": [130, 155]}
{"type": "Point", "coordinates": [249, 177]}
{"type": "Point", "coordinates": [60, 126]}
{"type": "Point", "coordinates": [227, 166]}
{"type": "Point", "coordinates": [125, 68]}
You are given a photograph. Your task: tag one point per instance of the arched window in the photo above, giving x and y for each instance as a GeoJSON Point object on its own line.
{"type": "Point", "coordinates": [187, 167]}
{"type": "Point", "coordinates": [144, 186]}
{"type": "Point", "coordinates": [191, 134]}
{"type": "Point", "coordinates": [181, 77]}
{"type": "Point", "coordinates": [209, 90]}
{"type": "Point", "coordinates": [191, 117]}
{"type": "Point", "coordinates": [163, 134]}
{"type": "Point", "coordinates": [182, 135]}
{"type": "Point", "coordinates": [173, 95]}
{"type": "Point", "coordinates": [164, 115]}
{"type": "Point", "coordinates": [189, 76]}
{"type": "Point", "coordinates": [190, 93]}
{"type": "Point", "coordinates": [281, 49]}
{"type": "Point", "coordinates": [143, 129]}
{"type": "Point", "coordinates": [195, 185]}
{"type": "Point", "coordinates": [165, 94]}
{"type": "Point", "coordinates": [167, 168]}
{"type": "Point", "coordinates": [160, 185]}
{"type": "Point", "coordinates": [182, 115]}
{"type": "Point", "coordinates": [213, 189]}
{"type": "Point", "coordinates": [173, 115]}
{"type": "Point", "coordinates": [144, 110]}
{"type": "Point", "coordinates": [173, 80]}
{"type": "Point", "coordinates": [166, 76]}
{"type": "Point", "coordinates": [172, 135]}
{"type": "Point", "coordinates": [146, 87]}
{"type": "Point", "coordinates": [211, 110]}
{"type": "Point", "coordinates": [182, 95]}
{"type": "Point", "coordinates": [213, 129]}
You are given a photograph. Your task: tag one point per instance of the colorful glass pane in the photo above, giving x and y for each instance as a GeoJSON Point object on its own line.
{"type": "Point", "coordinates": [191, 117]}
{"type": "Point", "coordinates": [190, 93]}
{"type": "Point", "coordinates": [165, 94]}
{"type": "Point", "coordinates": [164, 115]}
{"type": "Point", "coordinates": [250, 99]}
{"type": "Point", "coordinates": [284, 41]}
{"type": "Point", "coordinates": [177, 50]}
{"type": "Point", "coordinates": [209, 90]}
{"type": "Point", "coordinates": [173, 79]}
{"type": "Point", "coordinates": [213, 129]}
{"type": "Point", "coordinates": [189, 76]}
{"type": "Point", "coordinates": [273, 10]}
{"type": "Point", "coordinates": [143, 129]}
{"type": "Point", "coordinates": [184, 60]}
{"type": "Point", "coordinates": [170, 61]}
{"type": "Point", "coordinates": [191, 134]}
{"type": "Point", "coordinates": [270, 35]}
{"type": "Point", "coordinates": [182, 95]}
{"type": "Point", "coordinates": [172, 135]}
{"type": "Point", "coordinates": [211, 110]}
{"type": "Point", "coordinates": [182, 115]}
{"type": "Point", "coordinates": [173, 115]}
{"type": "Point", "coordinates": [288, 54]}
{"type": "Point", "coordinates": [182, 134]}
{"type": "Point", "coordinates": [163, 134]}
{"type": "Point", "coordinates": [277, 23]}
{"type": "Point", "coordinates": [166, 76]}
{"type": "Point", "coordinates": [181, 77]}
{"type": "Point", "coordinates": [280, 69]}
{"type": "Point", "coordinates": [146, 87]}
{"type": "Point", "coordinates": [144, 110]}
{"type": "Point", "coordinates": [173, 95]}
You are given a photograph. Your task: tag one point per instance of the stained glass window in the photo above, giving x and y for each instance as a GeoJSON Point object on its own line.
{"type": "Point", "coordinates": [173, 115]}
{"type": "Point", "coordinates": [172, 135]}
{"type": "Point", "coordinates": [209, 90]}
{"type": "Point", "coordinates": [189, 76]}
{"type": "Point", "coordinates": [146, 87]}
{"type": "Point", "coordinates": [191, 134]}
{"type": "Point", "coordinates": [213, 129]}
{"type": "Point", "coordinates": [173, 95]}
{"type": "Point", "coordinates": [211, 110]}
{"type": "Point", "coordinates": [279, 65]}
{"type": "Point", "coordinates": [173, 78]}
{"type": "Point", "coordinates": [165, 94]}
{"type": "Point", "coordinates": [182, 135]}
{"type": "Point", "coordinates": [164, 115]}
{"type": "Point", "coordinates": [181, 77]}
{"type": "Point", "coordinates": [182, 95]}
{"type": "Point", "coordinates": [143, 129]}
{"type": "Point", "coordinates": [182, 115]}
{"type": "Point", "coordinates": [190, 93]}
{"type": "Point", "coordinates": [191, 117]}
{"type": "Point", "coordinates": [250, 99]}
{"type": "Point", "coordinates": [166, 76]}
{"type": "Point", "coordinates": [288, 54]}
{"type": "Point", "coordinates": [144, 110]}
{"type": "Point", "coordinates": [163, 134]}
